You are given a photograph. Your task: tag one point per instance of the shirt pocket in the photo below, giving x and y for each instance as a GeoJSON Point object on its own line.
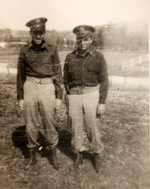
{"type": "Point", "coordinates": [47, 64]}
{"type": "Point", "coordinates": [47, 59]}
{"type": "Point", "coordinates": [74, 72]}
{"type": "Point", "coordinates": [30, 56]}
{"type": "Point", "coordinates": [30, 60]}
{"type": "Point", "coordinates": [47, 68]}
{"type": "Point", "coordinates": [94, 66]}
{"type": "Point", "coordinates": [30, 63]}
{"type": "Point", "coordinates": [93, 71]}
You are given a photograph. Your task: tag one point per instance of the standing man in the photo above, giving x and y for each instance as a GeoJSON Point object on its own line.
{"type": "Point", "coordinates": [86, 83]}
{"type": "Point", "coordinates": [39, 81]}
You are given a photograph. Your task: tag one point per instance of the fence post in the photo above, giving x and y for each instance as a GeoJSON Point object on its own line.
{"type": "Point", "coordinates": [125, 79]}
{"type": "Point", "coordinates": [8, 69]}
{"type": "Point", "coordinates": [110, 80]}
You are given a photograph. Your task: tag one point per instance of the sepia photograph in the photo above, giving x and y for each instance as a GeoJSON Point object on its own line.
{"type": "Point", "coordinates": [74, 94]}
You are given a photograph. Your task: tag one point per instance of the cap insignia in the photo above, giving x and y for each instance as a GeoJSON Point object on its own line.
{"type": "Point", "coordinates": [37, 21]}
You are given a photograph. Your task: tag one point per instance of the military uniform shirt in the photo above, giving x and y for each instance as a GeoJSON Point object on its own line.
{"type": "Point", "coordinates": [87, 70]}
{"type": "Point", "coordinates": [43, 63]}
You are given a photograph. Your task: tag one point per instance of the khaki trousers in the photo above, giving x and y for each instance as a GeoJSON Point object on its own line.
{"type": "Point", "coordinates": [86, 103]}
{"type": "Point", "coordinates": [39, 100]}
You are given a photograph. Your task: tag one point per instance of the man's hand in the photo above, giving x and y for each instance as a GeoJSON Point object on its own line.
{"type": "Point", "coordinates": [62, 86]}
{"type": "Point", "coordinates": [21, 104]}
{"type": "Point", "coordinates": [58, 102]}
{"type": "Point", "coordinates": [101, 108]}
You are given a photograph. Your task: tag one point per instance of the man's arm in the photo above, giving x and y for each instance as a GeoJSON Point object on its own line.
{"type": "Point", "coordinates": [103, 80]}
{"type": "Point", "coordinates": [103, 86]}
{"type": "Point", "coordinates": [66, 81]}
{"type": "Point", "coordinates": [58, 80]}
{"type": "Point", "coordinates": [20, 76]}
{"type": "Point", "coordinates": [20, 79]}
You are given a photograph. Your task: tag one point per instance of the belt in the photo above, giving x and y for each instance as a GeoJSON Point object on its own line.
{"type": "Point", "coordinates": [40, 80]}
{"type": "Point", "coordinates": [82, 89]}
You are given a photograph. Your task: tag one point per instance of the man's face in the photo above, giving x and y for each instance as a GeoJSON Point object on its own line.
{"type": "Point", "coordinates": [84, 43]}
{"type": "Point", "coordinates": [38, 36]}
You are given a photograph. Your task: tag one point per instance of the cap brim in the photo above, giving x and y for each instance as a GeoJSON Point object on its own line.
{"type": "Point", "coordinates": [81, 36]}
{"type": "Point", "coordinates": [38, 28]}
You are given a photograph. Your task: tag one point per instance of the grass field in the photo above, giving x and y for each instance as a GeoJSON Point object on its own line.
{"type": "Point", "coordinates": [124, 161]}
{"type": "Point", "coordinates": [114, 59]}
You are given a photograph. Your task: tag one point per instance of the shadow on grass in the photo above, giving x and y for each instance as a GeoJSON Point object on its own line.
{"type": "Point", "coordinates": [64, 144]}
{"type": "Point", "coordinates": [19, 139]}
{"type": "Point", "coordinates": [65, 147]}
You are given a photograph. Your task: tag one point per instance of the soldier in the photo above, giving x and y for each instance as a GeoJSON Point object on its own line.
{"type": "Point", "coordinates": [39, 81]}
{"type": "Point", "coordinates": [86, 83]}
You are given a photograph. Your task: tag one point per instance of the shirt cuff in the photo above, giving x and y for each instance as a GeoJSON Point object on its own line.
{"type": "Point", "coordinates": [102, 101]}
{"type": "Point", "coordinates": [59, 94]}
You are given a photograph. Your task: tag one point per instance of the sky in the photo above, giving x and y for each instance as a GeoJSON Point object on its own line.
{"type": "Point", "coordinates": [66, 14]}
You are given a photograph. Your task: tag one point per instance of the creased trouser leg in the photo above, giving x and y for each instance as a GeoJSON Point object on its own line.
{"type": "Point", "coordinates": [90, 103]}
{"type": "Point", "coordinates": [39, 98]}
{"type": "Point", "coordinates": [76, 114]}
{"type": "Point", "coordinates": [31, 113]}
{"type": "Point", "coordinates": [46, 106]}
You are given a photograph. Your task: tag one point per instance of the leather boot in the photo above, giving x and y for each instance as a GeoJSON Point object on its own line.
{"type": "Point", "coordinates": [78, 160]}
{"type": "Point", "coordinates": [33, 159]}
{"type": "Point", "coordinates": [96, 162]}
{"type": "Point", "coordinates": [54, 158]}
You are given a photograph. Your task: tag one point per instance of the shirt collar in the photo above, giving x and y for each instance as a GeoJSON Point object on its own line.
{"type": "Point", "coordinates": [44, 46]}
{"type": "Point", "coordinates": [88, 52]}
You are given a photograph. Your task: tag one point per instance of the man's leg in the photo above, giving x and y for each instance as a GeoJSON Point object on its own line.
{"type": "Point", "coordinates": [76, 115]}
{"type": "Point", "coordinates": [31, 119]}
{"type": "Point", "coordinates": [90, 103]}
{"type": "Point", "coordinates": [46, 106]}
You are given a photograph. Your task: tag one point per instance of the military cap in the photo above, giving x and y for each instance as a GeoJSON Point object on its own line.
{"type": "Point", "coordinates": [83, 31]}
{"type": "Point", "coordinates": [37, 24]}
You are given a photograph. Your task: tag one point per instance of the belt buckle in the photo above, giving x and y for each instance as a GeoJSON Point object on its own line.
{"type": "Point", "coordinates": [80, 89]}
